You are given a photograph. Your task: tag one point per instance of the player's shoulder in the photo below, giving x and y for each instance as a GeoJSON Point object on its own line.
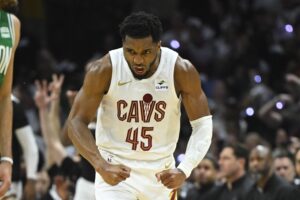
{"type": "Point", "coordinates": [100, 66]}
{"type": "Point", "coordinates": [15, 20]}
{"type": "Point", "coordinates": [183, 66]}
{"type": "Point", "coordinates": [17, 28]}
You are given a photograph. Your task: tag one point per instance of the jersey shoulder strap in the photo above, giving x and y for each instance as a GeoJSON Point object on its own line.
{"type": "Point", "coordinates": [6, 29]}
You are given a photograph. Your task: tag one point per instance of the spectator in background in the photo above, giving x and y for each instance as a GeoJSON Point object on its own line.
{"type": "Point", "coordinates": [9, 39]}
{"type": "Point", "coordinates": [297, 166]}
{"type": "Point", "coordinates": [284, 165]}
{"type": "Point", "coordinates": [42, 184]}
{"type": "Point", "coordinates": [233, 170]}
{"type": "Point", "coordinates": [62, 170]}
{"type": "Point", "coordinates": [268, 186]}
{"type": "Point", "coordinates": [62, 178]}
{"type": "Point", "coordinates": [205, 180]}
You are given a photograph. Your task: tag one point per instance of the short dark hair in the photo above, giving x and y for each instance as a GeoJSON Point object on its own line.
{"type": "Point", "coordinates": [213, 160]}
{"type": "Point", "coordinates": [283, 153]}
{"type": "Point", "coordinates": [140, 25]}
{"type": "Point", "coordinates": [239, 151]}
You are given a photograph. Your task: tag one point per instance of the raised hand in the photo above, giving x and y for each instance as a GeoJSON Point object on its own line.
{"type": "Point", "coordinates": [41, 97]}
{"type": "Point", "coordinates": [55, 86]}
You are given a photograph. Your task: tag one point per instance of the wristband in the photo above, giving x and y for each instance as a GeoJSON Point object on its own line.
{"type": "Point", "coordinates": [6, 159]}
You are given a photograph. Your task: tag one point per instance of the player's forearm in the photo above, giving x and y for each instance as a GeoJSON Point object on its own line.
{"type": "Point", "coordinates": [84, 142]}
{"type": "Point", "coordinates": [5, 126]}
{"type": "Point", "coordinates": [198, 144]}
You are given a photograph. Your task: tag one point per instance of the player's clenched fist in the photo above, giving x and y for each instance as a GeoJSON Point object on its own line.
{"type": "Point", "coordinates": [114, 174]}
{"type": "Point", "coordinates": [171, 178]}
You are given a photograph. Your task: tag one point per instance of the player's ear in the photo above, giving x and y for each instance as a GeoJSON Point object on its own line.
{"type": "Point", "coordinates": [159, 44]}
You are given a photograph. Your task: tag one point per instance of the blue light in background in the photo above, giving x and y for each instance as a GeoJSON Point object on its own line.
{"type": "Point", "coordinates": [279, 105]}
{"type": "Point", "coordinates": [174, 44]}
{"type": "Point", "coordinates": [257, 79]}
{"type": "Point", "coordinates": [288, 28]}
{"type": "Point", "coordinates": [249, 111]}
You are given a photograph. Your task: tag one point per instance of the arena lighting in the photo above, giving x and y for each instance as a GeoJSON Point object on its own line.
{"type": "Point", "coordinates": [249, 111]}
{"type": "Point", "coordinates": [180, 157]}
{"type": "Point", "coordinates": [288, 28]}
{"type": "Point", "coordinates": [279, 105]}
{"type": "Point", "coordinates": [174, 44]}
{"type": "Point", "coordinates": [257, 79]}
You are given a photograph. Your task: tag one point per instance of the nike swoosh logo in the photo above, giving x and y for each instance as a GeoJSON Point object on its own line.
{"type": "Point", "coordinates": [168, 165]}
{"type": "Point", "coordinates": [123, 83]}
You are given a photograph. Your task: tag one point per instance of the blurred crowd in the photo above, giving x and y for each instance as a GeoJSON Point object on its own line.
{"type": "Point", "coordinates": [246, 52]}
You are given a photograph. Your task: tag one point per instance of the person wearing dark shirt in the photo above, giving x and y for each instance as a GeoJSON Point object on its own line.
{"type": "Point", "coordinates": [285, 167]}
{"type": "Point", "coordinates": [233, 162]}
{"type": "Point", "coordinates": [205, 175]}
{"type": "Point", "coordinates": [268, 186]}
{"type": "Point", "coordinates": [63, 179]}
{"type": "Point", "coordinates": [297, 168]}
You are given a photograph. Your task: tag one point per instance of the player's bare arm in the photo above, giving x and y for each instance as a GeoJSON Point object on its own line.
{"type": "Point", "coordinates": [188, 86]}
{"type": "Point", "coordinates": [6, 115]}
{"type": "Point", "coordinates": [5, 99]}
{"type": "Point", "coordinates": [96, 84]}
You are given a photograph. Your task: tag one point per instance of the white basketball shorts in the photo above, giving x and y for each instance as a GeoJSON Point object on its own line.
{"type": "Point", "coordinates": [142, 183]}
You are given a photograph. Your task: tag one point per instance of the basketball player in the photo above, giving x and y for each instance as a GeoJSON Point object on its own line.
{"type": "Point", "coordinates": [137, 91]}
{"type": "Point", "coordinates": [9, 39]}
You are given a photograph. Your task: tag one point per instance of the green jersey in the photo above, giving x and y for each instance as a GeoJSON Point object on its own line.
{"type": "Point", "coordinates": [7, 35]}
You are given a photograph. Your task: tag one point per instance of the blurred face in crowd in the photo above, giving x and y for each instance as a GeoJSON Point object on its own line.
{"type": "Point", "coordinates": [65, 187]}
{"type": "Point", "coordinates": [284, 168]}
{"type": "Point", "coordinates": [230, 165]}
{"type": "Point", "coordinates": [205, 172]}
{"type": "Point", "coordinates": [260, 162]}
{"type": "Point", "coordinates": [42, 183]}
{"type": "Point", "coordinates": [297, 161]}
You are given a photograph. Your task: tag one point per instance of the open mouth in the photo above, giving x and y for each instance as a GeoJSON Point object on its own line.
{"type": "Point", "coordinates": [139, 70]}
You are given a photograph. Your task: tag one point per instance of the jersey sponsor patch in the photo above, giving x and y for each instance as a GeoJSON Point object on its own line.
{"type": "Point", "coordinates": [161, 85]}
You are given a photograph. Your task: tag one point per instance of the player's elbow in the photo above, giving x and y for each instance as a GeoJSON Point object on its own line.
{"type": "Point", "coordinates": [74, 126]}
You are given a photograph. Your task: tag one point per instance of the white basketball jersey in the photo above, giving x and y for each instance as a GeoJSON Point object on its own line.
{"type": "Point", "coordinates": [140, 119]}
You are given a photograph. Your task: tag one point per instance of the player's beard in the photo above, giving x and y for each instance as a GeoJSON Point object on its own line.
{"type": "Point", "coordinates": [149, 68]}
